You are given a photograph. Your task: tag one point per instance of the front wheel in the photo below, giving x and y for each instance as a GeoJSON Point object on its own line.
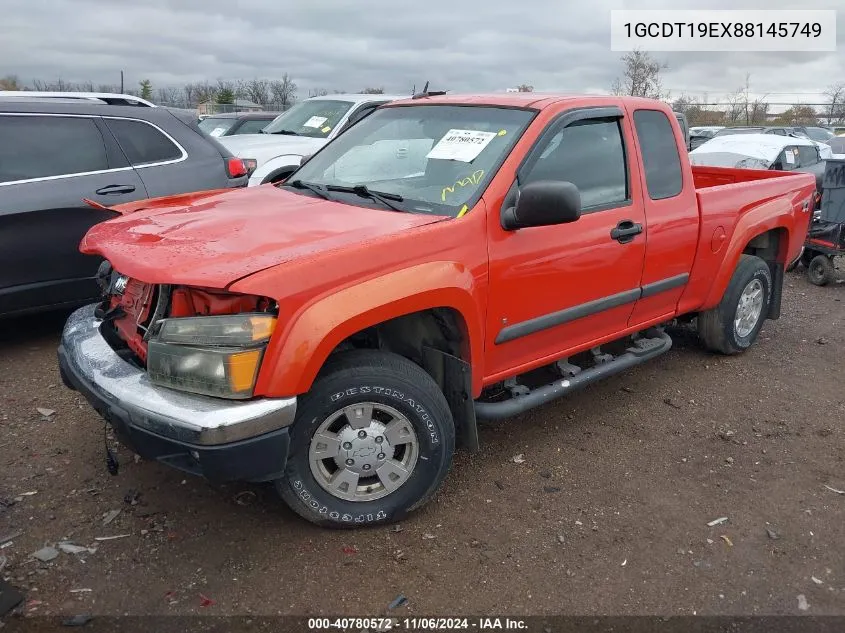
{"type": "Point", "coordinates": [372, 441]}
{"type": "Point", "coordinates": [733, 325]}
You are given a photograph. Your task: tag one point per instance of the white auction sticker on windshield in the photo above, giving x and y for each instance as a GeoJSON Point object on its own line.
{"type": "Point", "coordinates": [462, 145]}
{"type": "Point", "coordinates": [315, 121]}
{"type": "Point", "coordinates": [217, 131]}
{"type": "Point", "coordinates": [790, 157]}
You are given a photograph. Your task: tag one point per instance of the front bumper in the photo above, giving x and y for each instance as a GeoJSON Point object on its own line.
{"type": "Point", "coordinates": [220, 439]}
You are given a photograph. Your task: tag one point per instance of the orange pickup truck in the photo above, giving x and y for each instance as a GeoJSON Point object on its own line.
{"type": "Point", "coordinates": [446, 259]}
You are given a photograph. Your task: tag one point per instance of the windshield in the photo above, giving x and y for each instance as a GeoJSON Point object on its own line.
{"type": "Point", "coordinates": [428, 158]}
{"type": "Point", "coordinates": [315, 118]}
{"type": "Point", "coordinates": [217, 126]}
{"type": "Point", "coordinates": [819, 134]}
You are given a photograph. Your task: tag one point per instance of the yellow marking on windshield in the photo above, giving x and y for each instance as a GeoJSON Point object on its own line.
{"type": "Point", "coordinates": [463, 210]}
{"type": "Point", "coordinates": [502, 132]}
{"type": "Point", "coordinates": [474, 179]}
{"type": "Point", "coordinates": [328, 128]}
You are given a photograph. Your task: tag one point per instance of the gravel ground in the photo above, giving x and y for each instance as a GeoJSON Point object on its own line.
{"type": "Point", "coordinates": [608, 513]}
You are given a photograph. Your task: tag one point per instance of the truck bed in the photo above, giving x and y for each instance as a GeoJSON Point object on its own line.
{"type": "Point", "coordinates": [734, 206]}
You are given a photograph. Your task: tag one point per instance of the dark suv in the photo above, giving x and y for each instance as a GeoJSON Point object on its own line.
{"type": "Point", "coordinates": [57, 152]}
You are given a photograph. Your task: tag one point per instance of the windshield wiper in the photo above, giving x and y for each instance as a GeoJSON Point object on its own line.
{"type": "Point", "coordinates": [301, 184]}
{"type": "Point", "coordinates": [361, 190]}
{"type": "Point", "coordinates": [288, 132]}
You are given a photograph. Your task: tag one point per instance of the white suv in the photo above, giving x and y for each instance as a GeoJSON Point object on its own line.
{"type": "Point", "coordinates": [299, 132]}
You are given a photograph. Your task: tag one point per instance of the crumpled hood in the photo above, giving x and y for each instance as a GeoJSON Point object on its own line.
{"type": "Point", "coordinates": [264, 147]}
{"type": "Point", "coordinates": [215, 241]}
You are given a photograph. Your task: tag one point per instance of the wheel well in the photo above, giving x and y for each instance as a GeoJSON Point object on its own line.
{"type": "Point", "coordinates": [437, 340]}
{"type": "Point", "coordinates": [408, 335]}
{"type": "Point", "coordinates": [769, 246]}
{"type": "Point", "coordinates": [772, 247]}
{"type": "Point", "coordinates": [275, 175]}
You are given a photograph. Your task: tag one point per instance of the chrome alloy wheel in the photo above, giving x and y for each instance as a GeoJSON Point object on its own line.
{"type": "Point", "coordinates": [749, 309]}
{"type": "Point", "coordinates": [363, 452]}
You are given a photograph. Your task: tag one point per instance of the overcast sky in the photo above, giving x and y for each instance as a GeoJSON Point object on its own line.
{"type": "Point", "coordinates": [554, 45]}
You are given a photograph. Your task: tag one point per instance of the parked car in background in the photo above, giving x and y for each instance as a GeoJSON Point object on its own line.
{"type": "Point", "coordinates": [762, 151]}
{"type": "Point", "coordinates": [64, 162]}
{"type": "Point", "coordinates": [820, 134]}
{"type": "Point", "coordinates": [275, 153]}
{"type": "Point", "coordinates": [837, 146]}
{"type": "Point", "coordinates": [793, 131]}
{"type": "Point", "coordinates": [700, 134]}
{"type": "Point", "coordinates": [232, 123]}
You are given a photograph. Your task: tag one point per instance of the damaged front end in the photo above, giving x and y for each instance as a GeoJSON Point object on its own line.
{"type": "Point", "coordinates": [198, 340]}
{"type": "Point", "coordinates": [172, 368]}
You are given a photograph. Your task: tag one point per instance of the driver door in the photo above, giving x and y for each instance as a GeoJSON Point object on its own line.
{"type": "Point", "coordinates": [555, 288]}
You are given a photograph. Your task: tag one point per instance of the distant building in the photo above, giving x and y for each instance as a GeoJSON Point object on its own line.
{"type": "Point", "coordinates": [240, 105]}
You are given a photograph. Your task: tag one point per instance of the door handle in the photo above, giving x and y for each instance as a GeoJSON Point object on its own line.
{"type": "Point", "coordinates": [112, 189]}
{"type": "Point", "coordinates": [625, 231]}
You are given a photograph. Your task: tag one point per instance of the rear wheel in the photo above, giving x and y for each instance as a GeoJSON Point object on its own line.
{"type": "Point", "coordinates": [733, 325]}
{"type": "Point", "coordinates": [372, 441]}
{"type": "Point", "coordinates": [820, 270]}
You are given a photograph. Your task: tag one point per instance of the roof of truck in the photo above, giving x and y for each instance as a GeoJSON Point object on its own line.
{"type": "Point", "coordinates": [536, 100]}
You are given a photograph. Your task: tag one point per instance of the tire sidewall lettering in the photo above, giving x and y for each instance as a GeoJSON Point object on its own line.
{"type": "Point", "coordinates": [415, 406]}
{"type": "Point", "coordinates": [765, 276]}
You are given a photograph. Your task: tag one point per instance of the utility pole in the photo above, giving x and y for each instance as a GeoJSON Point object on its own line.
{"type": "Point", "coordinates": [121, 82]}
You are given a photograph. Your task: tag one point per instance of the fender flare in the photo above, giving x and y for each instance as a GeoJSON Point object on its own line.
{"type": "Point", "coordinates": [300, 348]}
{"type": "Point", "coordinates": [752, 224]}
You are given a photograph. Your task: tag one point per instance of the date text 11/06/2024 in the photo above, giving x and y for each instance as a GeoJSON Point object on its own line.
{"type": "Point", "coordinates": [361, 625]}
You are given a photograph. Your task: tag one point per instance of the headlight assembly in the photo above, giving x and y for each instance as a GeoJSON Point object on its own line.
{"type": "Point", "coordinates": [211, 355]}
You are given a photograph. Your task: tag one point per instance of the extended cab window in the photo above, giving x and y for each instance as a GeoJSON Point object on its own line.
{"type": "Point", "coordinates": [664, 178]}
{"type": "Point", "coordinates": [142, 143]}
{"type": "Point", "coordinates": [591, 155]}
{"type": "Point", "coordinates": [43, 146]}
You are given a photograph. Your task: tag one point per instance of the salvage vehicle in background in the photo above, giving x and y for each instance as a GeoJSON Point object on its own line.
{"type": "Point", "coordinates": [477, 256]}
{"type": "Point", "coordinates": [234, 123]}
{"type": "Point", "coordinates": [63, 162]}
{"type": "Point", "coordinates": [700, 134]}
{"type": "Point", "coordinates": [826, 237]}
{"type": "Point", "coordinates": [762, 151]}
{"type": "Point", "coordinates": [301, 131]}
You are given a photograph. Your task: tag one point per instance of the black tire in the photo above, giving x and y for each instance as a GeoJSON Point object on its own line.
{"type": "Point", "coordinates": [378, 377]}
{"type": "Point", "coordinates": [278, 177]}
{"type": "Point", "coordinates": [717, 328]}
{"type": "Point", "coordinates": [820, 270]}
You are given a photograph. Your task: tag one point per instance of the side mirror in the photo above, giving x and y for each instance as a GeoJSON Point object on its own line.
{"type": "Point", "coordinates": [544, 203]}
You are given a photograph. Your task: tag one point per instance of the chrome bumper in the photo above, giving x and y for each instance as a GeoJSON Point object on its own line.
{"type": "Point", "coordinates": [91, 366]}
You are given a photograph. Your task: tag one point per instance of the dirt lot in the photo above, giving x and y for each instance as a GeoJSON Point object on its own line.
{"type": "Point", "coordinates": [608, 513]}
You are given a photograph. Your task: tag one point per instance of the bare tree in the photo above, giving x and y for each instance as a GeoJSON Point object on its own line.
{"type": "Point", "coordinates": [318, 92]}
{"type": "Point", "coordinates": [283, 91]}
{"type": "Point", "coordinates": [257, 91]}
{"type": "Point", "coordinates": [372, 91]}
{"type": "Point", "coordinates": [641, 76]}
{"type": "Point", "coordinates": [736, 106]}
{"type": "Point", "coordinates": [190, 95]}
{"type": "Point", "coordinates": [525, 88]}
{"type": "Point", "coordinates": [10, 82]}
{"type": "Point", "coordinates": [834, 111]}
{"type": "Point", "coordinates": [204, 91]}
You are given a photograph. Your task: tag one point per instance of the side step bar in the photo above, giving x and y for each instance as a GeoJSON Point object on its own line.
{"type": "Point", "coordinates": [644, 349]}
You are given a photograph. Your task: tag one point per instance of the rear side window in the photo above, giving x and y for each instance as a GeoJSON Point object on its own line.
{"type": "Point", "coordinates": [591, 155]}
{"type": "Point", "coordinates": [43, 146]}
{"type": "Point", "coordinates": [142, 143]}
{"type": "Point", "coordinates": [660, 154]}
{"type": "Point", "coordinates": [807, 156]}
